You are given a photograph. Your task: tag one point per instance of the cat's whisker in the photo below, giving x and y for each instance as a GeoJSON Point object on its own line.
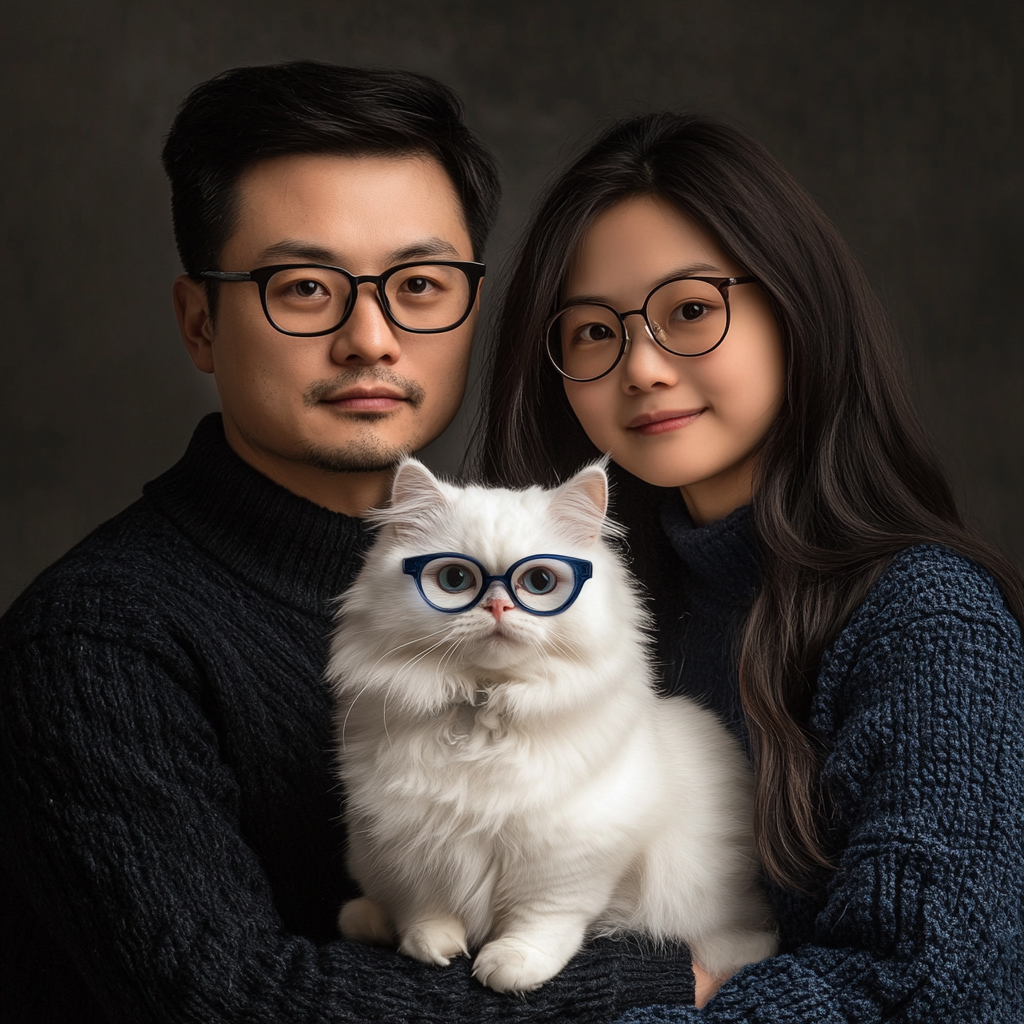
{"type": "Point", "coordinates": [450, 653]}
{"type": "Point", "coordinates": [572, 653]}
{"type": "Point", "coordinates": [384, 710]}
{"type": "Point", "coordinates": [423, 654]}
{"type": "Point", "coordinates": [352, 704]}
{"type": "Point", "coordinates": [408, 643]}
{"type": "Point", "coordinates": [376, 664]}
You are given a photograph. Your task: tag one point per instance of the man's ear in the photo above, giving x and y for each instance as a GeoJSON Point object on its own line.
{"type": "Point", "coordinates": [192, 309]}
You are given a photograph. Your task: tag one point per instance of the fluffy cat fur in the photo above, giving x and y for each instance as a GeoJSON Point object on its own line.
{"type": "Point", "coordinates": [514, 784]}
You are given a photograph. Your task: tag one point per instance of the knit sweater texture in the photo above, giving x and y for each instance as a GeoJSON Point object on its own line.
{"type": "Point", "coordinates": [171, 845]}
{"type": "Point", "coordinates": [920, 706]}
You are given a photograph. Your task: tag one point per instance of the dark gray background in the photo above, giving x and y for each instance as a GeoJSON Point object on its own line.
{"type": "Point", "coordinates": [897, 116]}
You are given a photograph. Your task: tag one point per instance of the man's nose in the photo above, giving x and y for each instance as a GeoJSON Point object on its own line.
{"type": "Point", "coordinates": [367, 336]}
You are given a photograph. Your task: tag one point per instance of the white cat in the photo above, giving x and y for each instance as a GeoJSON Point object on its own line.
{"type": "Point", "coordinates": [512, 780]}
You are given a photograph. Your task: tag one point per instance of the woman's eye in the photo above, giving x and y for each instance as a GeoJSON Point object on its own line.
{"type": "Point", "coordinates": [454, 578]}
{"type": "Point", "coordinates": [539, 580]}
{"type": "Point", "coordinates": [595, 332]}
{"type": "Point", "coordinates": [691, 311]}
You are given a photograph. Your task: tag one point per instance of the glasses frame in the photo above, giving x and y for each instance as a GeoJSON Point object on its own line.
{"type": "Point", "coordinates": [582, 571]}
{"type": "Point", "coordinates": [723, 284]}
{"type": "Point", "coordinates": [261, 276]}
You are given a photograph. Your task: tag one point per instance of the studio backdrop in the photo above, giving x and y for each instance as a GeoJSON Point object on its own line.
{"type": "Point", "coordinates": [898, 117]}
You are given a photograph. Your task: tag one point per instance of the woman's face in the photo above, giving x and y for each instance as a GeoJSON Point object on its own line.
{"type": "Point", "coordinates": [691, 423]}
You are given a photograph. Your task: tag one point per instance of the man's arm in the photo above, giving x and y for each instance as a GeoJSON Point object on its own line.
{"type": "Point", "coordinates": [122, 832]}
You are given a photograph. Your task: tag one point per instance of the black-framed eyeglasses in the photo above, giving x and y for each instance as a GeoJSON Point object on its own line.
{"type": "Point", "coordinates": [539, 584]}
{"type": "Point", "coordinates": [307, 300]}
{"type": "Point", "coordinates": [687, 316]}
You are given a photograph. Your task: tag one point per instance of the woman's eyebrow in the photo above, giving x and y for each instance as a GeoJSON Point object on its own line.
{"type": "Point", "coordinates": [689, 270]}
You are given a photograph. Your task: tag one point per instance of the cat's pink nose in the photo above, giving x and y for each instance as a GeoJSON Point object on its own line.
{"type": "Point", "coordinates": [497, 606]}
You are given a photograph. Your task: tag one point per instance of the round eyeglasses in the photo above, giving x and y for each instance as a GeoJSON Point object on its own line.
{"type": "Point", "coordinates": [307, 300]}
{"type": "Point", "coordinates": [539, 584]}
{"type": "Point", "coordinates": [687, 316]}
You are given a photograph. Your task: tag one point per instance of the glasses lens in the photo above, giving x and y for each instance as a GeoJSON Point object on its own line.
{"type": "Point", "coordinates": [307, 300]}
{"type": "Point", "coordinates": [450, 583]}
{"type": "Point", "coordinates": [544, 584]}
{"type": "Point", "coordinates": [428, 297]}
{"type": "Point", "coordinates": [584, 341]}
{"type": "Point", "coordinates": [688, 317]}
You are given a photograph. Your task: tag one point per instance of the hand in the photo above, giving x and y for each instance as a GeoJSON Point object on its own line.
{"type": "Point", "coordinates": [704, 986]}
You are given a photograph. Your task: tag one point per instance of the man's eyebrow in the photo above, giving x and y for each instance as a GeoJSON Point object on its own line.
{"type": "Point", "coordinates": [294, 249]}
{"type": "Point", "coordinates": [690, 270]}
{"type": "Point", "coordinates": [427, 248]}
{"type": "Point", "coordinates": [291, 249]}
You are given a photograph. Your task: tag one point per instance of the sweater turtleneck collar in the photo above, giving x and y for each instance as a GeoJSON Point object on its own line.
{"type": "Point", "coordinates": [297, 551]}
{"type": "Point", "coordinates": [720, 558]}
{"type": "Point", "coordinates": [718, 580]}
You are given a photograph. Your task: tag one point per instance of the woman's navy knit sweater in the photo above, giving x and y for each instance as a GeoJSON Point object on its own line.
{"type": "Point", "coordinates": [171, 847]}
{"type": "Point", "coordinates": [920, 706]}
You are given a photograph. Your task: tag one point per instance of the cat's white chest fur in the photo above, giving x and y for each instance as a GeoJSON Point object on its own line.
{"type": "Point", "coordinates": [512, 783]}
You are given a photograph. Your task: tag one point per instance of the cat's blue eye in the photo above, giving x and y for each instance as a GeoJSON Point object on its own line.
{"type": "Point", "coordinates": [454, 579]}
{"type": "Point", "coordinates": [539, 580]}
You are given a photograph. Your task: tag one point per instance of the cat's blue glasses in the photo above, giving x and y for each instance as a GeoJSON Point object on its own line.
{"type": "Point", "coordinates": [539, 584]}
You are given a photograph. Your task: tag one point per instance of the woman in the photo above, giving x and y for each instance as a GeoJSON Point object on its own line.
{"type": "Point", "coordinates": [682, 304]}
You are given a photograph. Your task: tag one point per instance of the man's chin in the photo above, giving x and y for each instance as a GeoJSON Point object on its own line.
{"type": "Point", "coordinates": [353, 458]}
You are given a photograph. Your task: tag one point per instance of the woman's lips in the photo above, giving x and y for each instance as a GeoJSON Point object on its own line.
{"type": "Point", "coordinates": [661, 422]}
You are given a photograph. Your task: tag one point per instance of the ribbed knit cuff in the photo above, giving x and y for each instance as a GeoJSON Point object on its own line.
{"type": "Point", "coordinates": [611, 976]}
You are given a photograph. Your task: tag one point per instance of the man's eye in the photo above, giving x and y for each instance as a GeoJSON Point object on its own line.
{"type": "Point", "coordinates": [417, 285]}
{"type": "Point", "coordinates": [308, 289]}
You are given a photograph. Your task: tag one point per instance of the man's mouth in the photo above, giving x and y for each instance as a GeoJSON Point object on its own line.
{"type": "Point", "coordinates": [366, 399]}
{"type": "Point", "coordinates": [661, 422]}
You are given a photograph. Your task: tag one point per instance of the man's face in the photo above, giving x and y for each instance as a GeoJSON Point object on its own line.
{"type": "Point", "coordinates": [359, 398]}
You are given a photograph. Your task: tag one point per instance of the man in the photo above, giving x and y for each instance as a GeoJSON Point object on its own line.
{"type": "Point", "coordinates": [171, 844]}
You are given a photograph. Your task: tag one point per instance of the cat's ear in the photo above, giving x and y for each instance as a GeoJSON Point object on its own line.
{"type": "Point", "coordinates": [580, 504]}
{"type": "Point", "coordinates": [414, 484]}
{"type": "Point", "coordinates": [415, 495]}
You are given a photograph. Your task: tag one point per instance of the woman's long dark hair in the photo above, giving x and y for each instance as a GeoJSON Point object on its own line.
{"type": "Point", "coordinates": [845, 476]}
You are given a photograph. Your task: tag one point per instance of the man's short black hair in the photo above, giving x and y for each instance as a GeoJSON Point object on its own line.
{"type": "Point", "coordinates": [248, 114]}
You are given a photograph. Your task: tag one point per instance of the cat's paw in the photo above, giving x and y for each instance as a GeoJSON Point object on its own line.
{"type": "Point", "coordinates": [511, 964]}
{"type": "Point", "coordinates": [365, 920]}
{"type": "Point", "coordinates": [435, 941]}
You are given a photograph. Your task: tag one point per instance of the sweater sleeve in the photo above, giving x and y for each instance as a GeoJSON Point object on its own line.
{"type": "Point", "coordinates": [122, 833]}
{"type": "Point", "coordinates": [922, 705]}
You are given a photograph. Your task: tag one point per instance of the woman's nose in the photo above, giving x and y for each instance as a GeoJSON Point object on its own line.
{"type": "Point", "coordinates": [646, 364]}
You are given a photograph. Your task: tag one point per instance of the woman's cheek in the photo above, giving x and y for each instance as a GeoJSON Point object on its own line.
{"type": "Point", "coordinates": [594, 410]}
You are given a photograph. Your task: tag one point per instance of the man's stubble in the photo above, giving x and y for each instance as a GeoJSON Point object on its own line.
{"type": "Point", "coordinates": [369, 453]}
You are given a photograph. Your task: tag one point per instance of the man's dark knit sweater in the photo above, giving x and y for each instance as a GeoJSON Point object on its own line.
{"type": "Point", "coordinates": [171, 847]}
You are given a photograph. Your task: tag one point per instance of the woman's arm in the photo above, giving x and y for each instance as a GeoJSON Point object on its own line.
{"type": "Point", "coordinates": [921, 702]}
